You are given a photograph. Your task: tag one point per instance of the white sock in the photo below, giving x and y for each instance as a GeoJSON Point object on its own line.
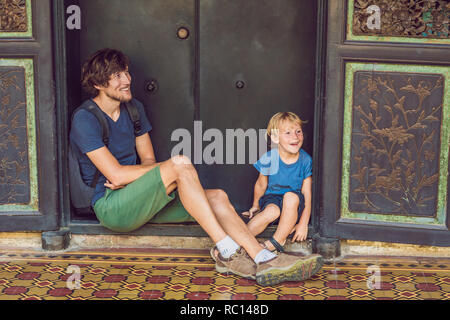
{"type": "Point", "coordinates": [227, 247]}
{"type": "Point", "coordinates": [264, 255]}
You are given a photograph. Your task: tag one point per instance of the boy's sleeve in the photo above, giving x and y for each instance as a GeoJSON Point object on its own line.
{"type": "Point", "coordinates": [145, 123]}
{"type": "Point", "coordinates": [86, 132]}
{"type": "Point", "coordinates": [268, 164]}
{"type": "Point", "coordinates": [257, 165]}
{"type": "Point", "coordinates": [307, 169]}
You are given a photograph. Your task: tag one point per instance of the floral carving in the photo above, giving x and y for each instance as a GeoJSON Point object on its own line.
{"type": "Point", "coordinates": [395, 143]}
{"type": "Point", "coordinates": [13, 16]}
{"type": "Point", "coordinates": [14, 175]}
{"type": "Point", "coordinates": [405, 18]}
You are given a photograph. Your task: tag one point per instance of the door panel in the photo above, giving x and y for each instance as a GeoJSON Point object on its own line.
{"type": "Point", "coordinates": [270, 47]}
{"type": "Point", "coordinates": [28, 168]}
{"type": "Point", "coordinates": [387, 117]}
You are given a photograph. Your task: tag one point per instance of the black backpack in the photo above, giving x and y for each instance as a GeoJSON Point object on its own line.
{"type": "Point", "coordinates": [80, 193]}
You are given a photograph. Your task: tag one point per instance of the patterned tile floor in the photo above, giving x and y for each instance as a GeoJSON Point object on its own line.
{"type": "Point", "coordinates": [190, 275]}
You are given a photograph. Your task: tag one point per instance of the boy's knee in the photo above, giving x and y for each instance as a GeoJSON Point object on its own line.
{"type": "Point", "coordinates": [291, 199]}
{"type": "Point", "coordinates": [272, 213]}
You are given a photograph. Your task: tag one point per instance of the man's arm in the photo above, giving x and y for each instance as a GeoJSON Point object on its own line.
{"type": "Point", "coordinates": [145, 150]}
{"type": "Point", "coordinates": [118, 175]}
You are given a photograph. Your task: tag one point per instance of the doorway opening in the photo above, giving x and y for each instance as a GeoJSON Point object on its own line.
{"type": "Point", "coordinates": [226, 65]}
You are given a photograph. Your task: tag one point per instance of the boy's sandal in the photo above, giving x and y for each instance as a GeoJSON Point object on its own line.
{"type": "Point", "coordinates": [276, 244]}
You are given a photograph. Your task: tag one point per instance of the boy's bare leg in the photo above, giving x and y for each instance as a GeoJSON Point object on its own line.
{"type": "Point", "coordinates": [260, 221]}
{"type": "Point", "coordinates": [233, 225]}
{"type": "Point", "coordinates": [289, 214]}
{"type": "Point", "coordinates": [178, 172]}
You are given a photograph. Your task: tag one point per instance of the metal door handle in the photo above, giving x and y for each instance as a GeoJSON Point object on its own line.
{"type": "Point", "coordinates": [152, 86]}
{"type": "Point", "coordinates": [240, 84]}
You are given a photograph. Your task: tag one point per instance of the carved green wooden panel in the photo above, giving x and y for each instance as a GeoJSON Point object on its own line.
{"type": "Point", "coordinates": [18, 161]}
{"type": "Point", "coordinates": [399, 21]}
{"type": "Point", "coordinates": [395, 143]}
{"type": "Point", "coordinates": [15, 19]}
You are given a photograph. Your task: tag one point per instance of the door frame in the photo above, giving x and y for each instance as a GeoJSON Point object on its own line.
{"type": "Point", "coordinates": [340, 51]}
{"type": "Point", "coordinates": [191, 230]}
{"type": "Point", "coordinates": [38, 48]}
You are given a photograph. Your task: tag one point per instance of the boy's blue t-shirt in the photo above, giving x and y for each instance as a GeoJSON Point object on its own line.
{"type": "Point", "coordinates": [284, 177]}
{"type": "Point", "coordinates": [86, 136]}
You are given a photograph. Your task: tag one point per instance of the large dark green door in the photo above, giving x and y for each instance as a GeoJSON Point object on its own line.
{"type": "Point", "coordinates": [226, 64]}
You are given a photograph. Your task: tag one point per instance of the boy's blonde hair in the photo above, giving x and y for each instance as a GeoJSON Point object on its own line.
{"type": "Point", "coordinates": [280, 117]}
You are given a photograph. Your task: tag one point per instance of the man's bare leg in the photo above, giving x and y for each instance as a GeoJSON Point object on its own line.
{"type": "Point", "coordinates": [178, 172]}
{"type": "Point", "coordinates": [233, 225]}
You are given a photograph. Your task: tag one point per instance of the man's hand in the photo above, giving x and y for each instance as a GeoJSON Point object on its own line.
{"type": "Point", "coordinates": [250, 213]}
{"type": "Point", "coordinates": [112, 186]}
{"type": "Point", "coordinates": [301, 232]}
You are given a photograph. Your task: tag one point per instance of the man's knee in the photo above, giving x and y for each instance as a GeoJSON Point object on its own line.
{"type": "Point", "coordinates": [181, 160]}
{"type": "Point", "coordinates": [183, 167]}
{"type": "Point", "coordinates": [290, 199]}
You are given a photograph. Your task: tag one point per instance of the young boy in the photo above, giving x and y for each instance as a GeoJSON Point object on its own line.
{"type": "Point", "coordinates": [283, 189]}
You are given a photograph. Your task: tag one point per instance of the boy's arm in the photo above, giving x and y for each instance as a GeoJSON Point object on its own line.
{"type": "Point", "coordinates": [301, 229]}
{"type": "Point", "coordinates": [307, 194]}
{"type": "Point", "coordinates": [260, 188]}
{"type": "Point", "coordinates": [258, 192]}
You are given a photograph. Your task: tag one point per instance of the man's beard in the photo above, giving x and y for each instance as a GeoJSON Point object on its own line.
{"type": "Point", "coordinates": [119, 98]}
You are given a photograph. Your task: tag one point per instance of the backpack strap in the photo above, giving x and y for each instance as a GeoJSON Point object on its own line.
{"type": "Point", "coordinates": [93, 108]}
{"type": "Point", "coordinates": [134, 116]}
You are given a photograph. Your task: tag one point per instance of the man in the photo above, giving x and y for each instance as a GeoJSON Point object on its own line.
{"type": "Point", "coordinates": [128, 195]}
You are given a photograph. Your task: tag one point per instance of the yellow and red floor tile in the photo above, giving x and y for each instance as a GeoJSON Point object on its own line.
{"type": "Point", "coordinates": [157, 274]}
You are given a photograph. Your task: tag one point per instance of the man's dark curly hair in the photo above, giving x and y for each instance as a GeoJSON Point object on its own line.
{"type": "Point", "coordinates": [99, 67]}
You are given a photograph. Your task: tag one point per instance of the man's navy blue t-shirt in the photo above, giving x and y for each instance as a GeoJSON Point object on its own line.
{"type": "Point", "coordinates": [86, 136]}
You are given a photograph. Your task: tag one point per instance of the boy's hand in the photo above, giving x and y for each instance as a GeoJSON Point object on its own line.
{"type": "Point", "coordinates": [301, 232]}
{"type": "Point", "coordinates": [250, 213]}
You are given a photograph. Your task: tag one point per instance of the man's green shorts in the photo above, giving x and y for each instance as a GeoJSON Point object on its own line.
{"type": "Point", "coordinates": [144, 200]}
